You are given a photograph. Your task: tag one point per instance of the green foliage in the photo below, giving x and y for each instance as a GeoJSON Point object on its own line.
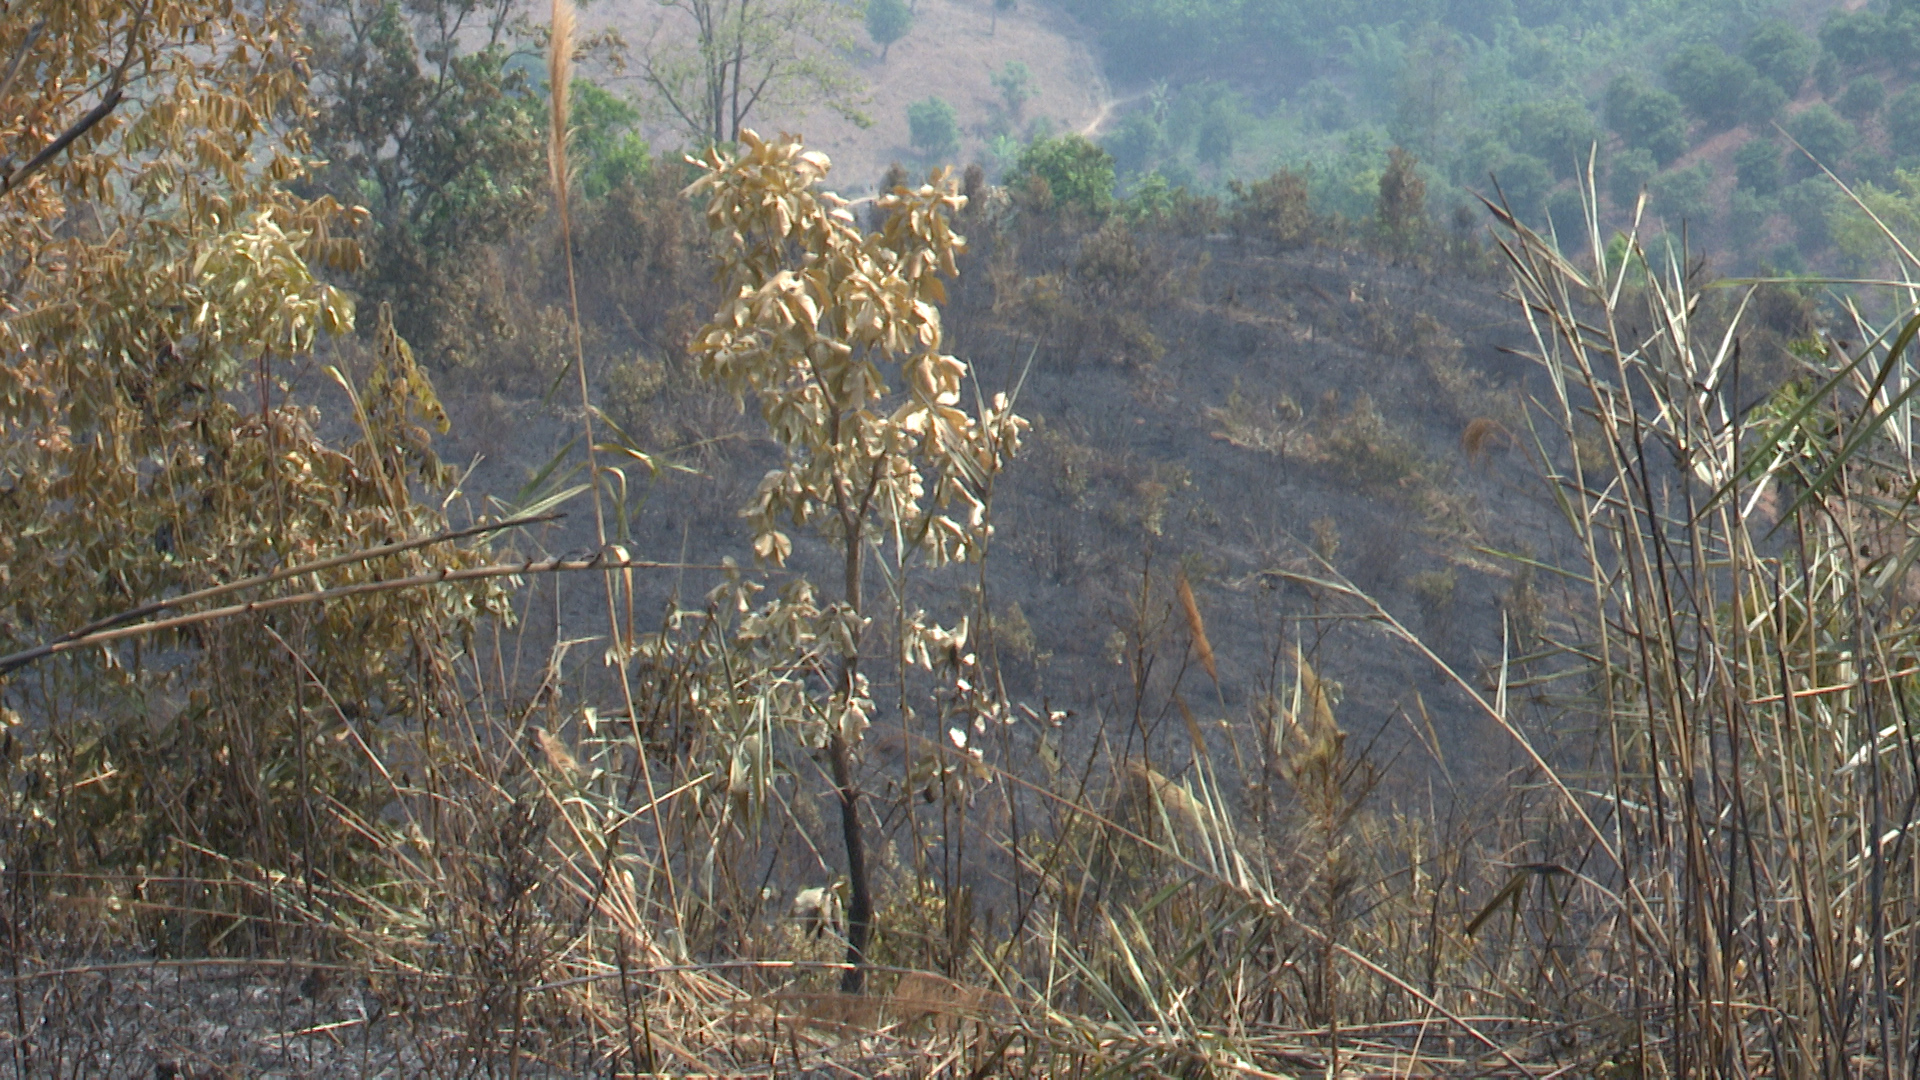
{"type": "Point", "coordinates": [1219, 127]}
{"type": "Point", "coordinates": [1681, 195]}
{"type": "Point", "coordinates": [1822, 133]}
{"type": "Point", "coordinates": [1628, 175]}
{"type": "Point", "coordinates": [1560, 131]}
{"type": "Point", "coordinates": [1781, 54]}
{"type": "Point", "coordinates": [1862, 98]}
{"type": "Point", "coordinates": [1757, 166]}
{"type": "Point", "coordinates": [1808, 205]}
{"type": "Point", "coordinates": [1567, 215]}
{"type": "Point", "coordinates": [1158, 203]}
{"type": "Point", "coordinates": [934, 128]}
{"type": "Point", "coordinates": [1075, 172]}
{"type": "Point", "coordinates": [610, 151]}
{"type": "Point", "coordinates": [1430, 92]}
{"type": "Point", "coordinates": [1903, 123]}
{"type": "Point", "coordinates": [1714, 86]}
{"type": "Point", "coordinates": [1855, 38]}
{"type": "Point", "coordinates": [1137, 143]}
{"type": "Point", "coordinates": [1859, 238]}
{"type": "Point", "coordinates": [443, 145]}
{"type": "Point", "coordinates": [887, 22]}
{"type": "Point", "coordinates": [1014, 81]}
{"type": "Point", "coordinates": [1647, 118]}
{"type": "Point", "coordinates": [1747, 215]}
{"type": "Point", "coordinates": [1524, 181]}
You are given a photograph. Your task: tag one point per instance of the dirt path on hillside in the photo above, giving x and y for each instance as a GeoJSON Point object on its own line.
{"type": "Point", "coordinates": [1107, 105]}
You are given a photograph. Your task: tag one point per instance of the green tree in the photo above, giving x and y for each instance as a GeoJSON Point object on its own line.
{"type": "Point", "coordinates": [442, 143]}
{"type": "Point", "coordinates": [1430, 93]}
{"type": "Point", "coordinates": [887, 22]}
{"type": "Point", "coordinates": [1859, 238]}
{"type": "Point", "coordinates": [1809, 205]}
{"type": "Point", "coordinates": [1747, 214]}
{"type": "Point", "coordinates": [1763, 102]}
{"type": "Point", "coordinates": [712, 64]}
{"type": "Point", "coordinates": [1524, 181]}
{"type": "Point", "coordinates": [1854, 38]}
{"type": "Point", "coordinates": [1903, 123]}
{"type": "Point", "coordinates": [1559, 131]}
{"type": "Point", "coordinates": [1137, 143]}
{"type": "Point", "coordinates": [1647, 118]}
{"type": "Point", "coordinates": [822, 323]}
{"type": "Point", "coordinates": [1681, 195]}
{"type": "Point", "coordinates": [1076, 173]}
{"type": "Point", "coordinates": [1822, 133]}
{"type": "Point", "coordinates": [1014, 80]}
{"type": "Point", "coordinates": [1781, 54]}
{"type": "Point", "coordinates": [1221, 122]}
{"type": "Point", "coordinates": [1715, 87]}
{"type": "Point", "coordinates": [610, 151]}
{"type": "Point", "coordinates": [933, 128]}
{"type": "Point", "coordinates": [1628, 176]}
{"type": "Point", "coordinates": [1757, 166]}
{"type": "Point", "coordinates": [1567, 215]}
{"type": "Point", "coordinates": [1862, 98]}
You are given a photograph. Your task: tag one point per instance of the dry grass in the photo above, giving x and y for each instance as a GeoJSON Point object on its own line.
{"type": "Point", "coordinates": [1703, 866]}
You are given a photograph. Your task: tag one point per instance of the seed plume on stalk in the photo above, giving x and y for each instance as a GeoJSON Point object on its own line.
{"type": "Point", "coordinates": [560, 91]}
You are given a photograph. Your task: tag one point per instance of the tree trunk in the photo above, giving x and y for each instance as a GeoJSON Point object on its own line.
{"type": "Point", "coordinates": [860, 900]}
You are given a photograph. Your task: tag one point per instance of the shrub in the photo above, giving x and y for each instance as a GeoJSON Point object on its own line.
{"type": "Point", "coordinates": [1903, 123]}
{"type": "Point", "coordinates": [1822, 133]}
{"type": "Point", "coordinates": [1757, 165]}
{"type": "Point", "coordinates": [1278, 208]}
{"type": "Point", "coordinates": [1567, 216]}
{"type": "Point", "coordinates": [1863, 98]}
{"type": "Point", "coordinates": [1365, 450]}
{"type": "Point", "coordinates": [1714, 86]}
{"type": "Point", "coordinates": [1781, 54]}
{"type": "Point", "coordinates": [1763, 102]}
{"type": "Point", "coordinates": [1807, 204]}
{"type": "Point", "coordinates": [1524, 180]}
{"type": "Point", "coordinates": [933, 128]}
{"type": "Point", "coordinates": [1747, 215]}
{"type": "Point", "coordinates": [1559, 131]}
{"type": "Point", "coordinates": [1854, 38]}
{"type": "Point", "coordinates": [1138, 140]}
{"type": "Point", "coordinates": [1402, 210]}
{"type": "Point", "coordinates": [610, 151]}
{"type": "Point", "coordinates": [1014, 80]}
{"type": "Point", "coordinates": [1647, 118]}
{"type": "Point", "coordinates": [1681, 194]}
{"type": "Point", "coordinates": [1628, 176]}
{"type": "Point", "coordinates": [1076, 173]}
{"type": "Point", "coordinates": [1219, 129]}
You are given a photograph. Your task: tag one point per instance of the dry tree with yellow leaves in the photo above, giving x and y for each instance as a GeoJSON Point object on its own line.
{"type": "Point", "coordinates": [157, 283]}
{"type": "Point", "coordinates": [835, 334]}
